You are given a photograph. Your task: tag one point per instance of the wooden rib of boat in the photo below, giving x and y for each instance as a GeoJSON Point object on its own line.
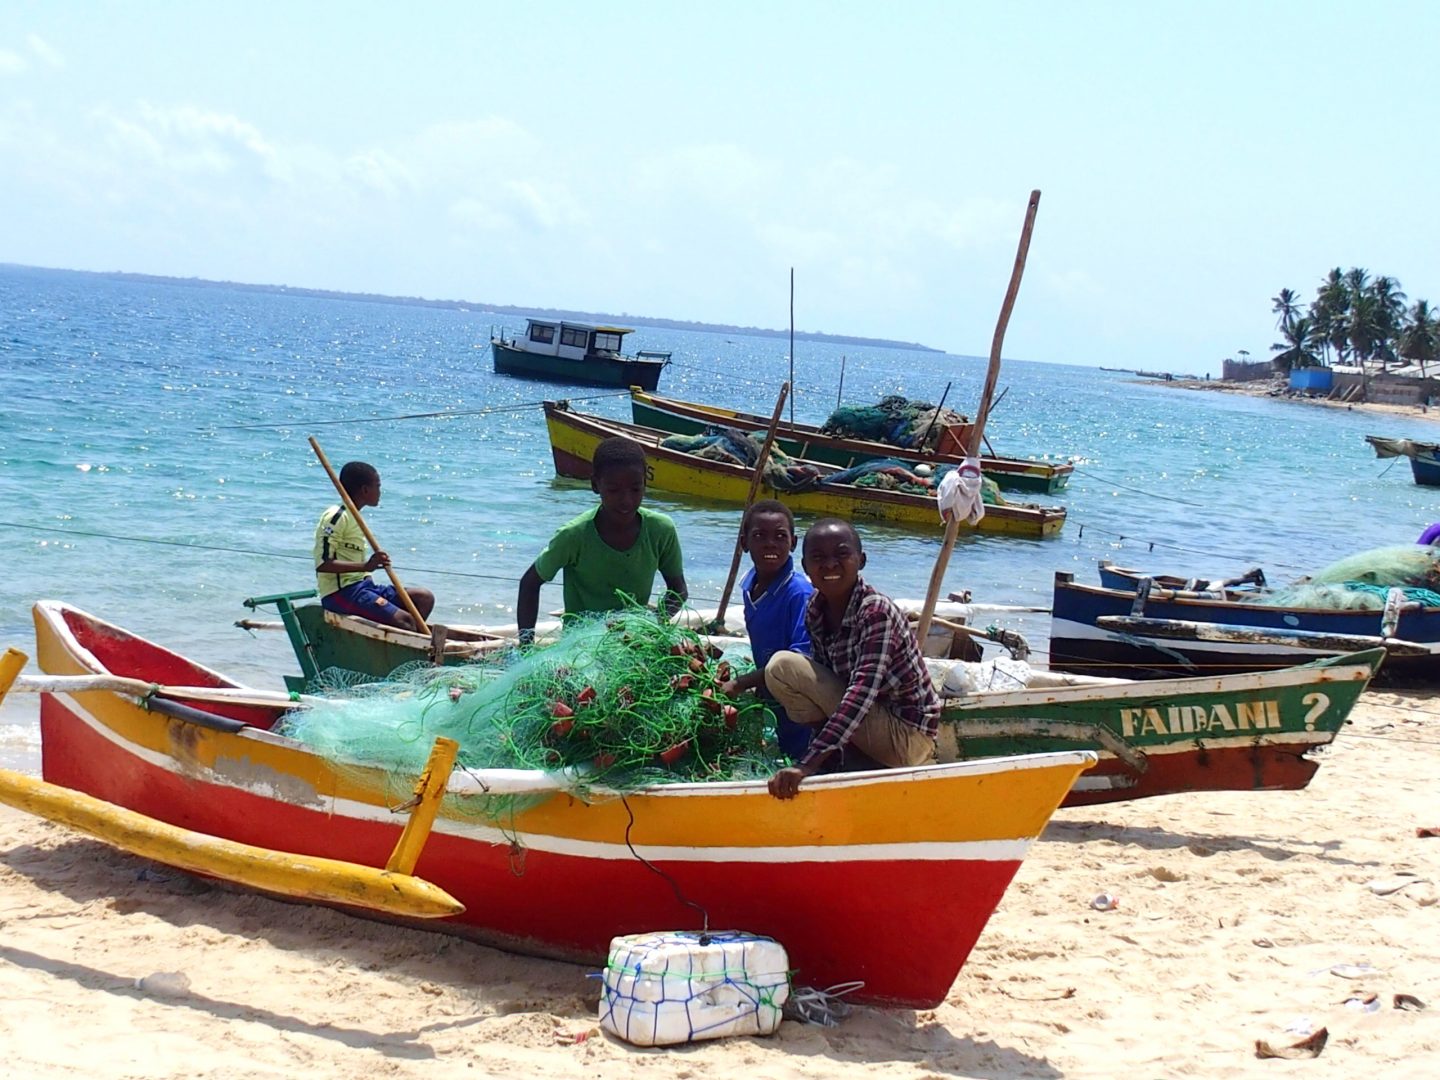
{"type": "Point", "coordinates": [809, 442]}
{"type": "Point", "coordinates": [1424, 457]}
{"type": "Point", "coordinates": [1147, 631]}
{"type": "Point", "coordinates": [574, 437]}
{"type": "Point", "coordinates": [884, 877]}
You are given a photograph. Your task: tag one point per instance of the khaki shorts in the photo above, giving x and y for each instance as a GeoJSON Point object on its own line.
{"type": "Point", "coordinates": [811, 693]}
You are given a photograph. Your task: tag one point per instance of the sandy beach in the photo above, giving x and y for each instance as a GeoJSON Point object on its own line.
{"type": "Point", "coordinates": [1240, 917]}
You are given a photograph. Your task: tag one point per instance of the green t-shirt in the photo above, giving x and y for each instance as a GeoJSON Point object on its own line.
{"type": "Point", "coordinates": [338, 537]}
{"type": "Point", "coordinates": [596, 574]}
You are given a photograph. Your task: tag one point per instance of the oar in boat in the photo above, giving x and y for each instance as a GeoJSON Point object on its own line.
{"type": "Point", "coordinates": [972, 444]}
{"type": "Point", "coordinates": [755, 478]}
{"type": "Point", "coordinates": [420, 624]}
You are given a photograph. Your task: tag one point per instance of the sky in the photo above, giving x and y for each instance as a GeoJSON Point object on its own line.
{"type": "Point", "coordinates": [678, 160]}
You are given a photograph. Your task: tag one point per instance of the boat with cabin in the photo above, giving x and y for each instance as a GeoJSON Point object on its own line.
{"type": "Point", "coordinates": [561, 350]}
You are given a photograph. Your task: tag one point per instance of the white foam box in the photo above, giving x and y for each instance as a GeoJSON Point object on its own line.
{"type": "Point", "coordinates": [672, 987]}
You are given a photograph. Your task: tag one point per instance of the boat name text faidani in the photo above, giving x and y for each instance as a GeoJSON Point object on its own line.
{"type": "Point", "coordinates": [1263, 715]}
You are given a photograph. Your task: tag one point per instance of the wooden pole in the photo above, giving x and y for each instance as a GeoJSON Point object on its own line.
{"type": "Point", "coordinates": [931, 426]}
{"type": "Point", "coordinates": [755, 478]}
{"type": "Point", "coordinates": [420, 624]}
{"type": "Point", "coordinates": [840, 390]}
{"type": "Point", "coordinates": [792, 347]}
{"type": "Point", "coordinates": [972, 447]}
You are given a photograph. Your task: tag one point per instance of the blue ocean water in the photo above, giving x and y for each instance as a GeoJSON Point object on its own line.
{"type": "Point", "coordinates": [154, 467]}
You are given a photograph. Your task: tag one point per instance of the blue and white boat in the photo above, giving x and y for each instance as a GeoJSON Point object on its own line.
{"type": "Point", "coordinates": [1149, 629]}
{"type": "Point", "coordinates": [1424, 456]}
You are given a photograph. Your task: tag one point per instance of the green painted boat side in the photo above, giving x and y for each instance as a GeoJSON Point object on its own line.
{"type": "Point", "coordinates": [1211, 733]}
{"type": "Point", "coordinates": [1010, 474]}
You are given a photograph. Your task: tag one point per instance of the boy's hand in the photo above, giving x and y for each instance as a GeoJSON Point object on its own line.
{"type": "Point", "coordinates": [731, 688]}
{"type": "Point", "coordinates": [786, 783]}
{"type": "Point", "coordinates": [376, 561]}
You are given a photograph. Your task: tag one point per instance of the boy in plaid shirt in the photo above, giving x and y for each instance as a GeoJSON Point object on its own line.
{"type": "Point", "coordinates": [865, 682]}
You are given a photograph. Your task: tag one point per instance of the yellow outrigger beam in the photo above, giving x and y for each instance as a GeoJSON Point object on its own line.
{"type": "Point", "coordinates": [331, 881]}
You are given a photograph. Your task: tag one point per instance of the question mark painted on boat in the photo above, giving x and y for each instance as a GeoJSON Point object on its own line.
{"type": "Point", "coordinates": [1318, 703]}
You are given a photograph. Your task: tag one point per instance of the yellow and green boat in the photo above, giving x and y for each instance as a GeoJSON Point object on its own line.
{"type": "Point", "coordinates": [574, 437]}
{"type": "Point", "coordinates": [811, 443]}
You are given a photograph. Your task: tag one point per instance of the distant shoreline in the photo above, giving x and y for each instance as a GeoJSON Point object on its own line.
{"type": "Point", "coordinates": [1268, 388]}
{"type": "Point", "coordinates": [495, 309]}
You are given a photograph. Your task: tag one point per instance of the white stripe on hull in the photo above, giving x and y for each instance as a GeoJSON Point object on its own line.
{"type": "Point", "coordinates": [925, 851]}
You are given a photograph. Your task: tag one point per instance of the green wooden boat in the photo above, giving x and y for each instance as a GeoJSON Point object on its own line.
{"type": "Point", "coordinates": [809, 442]}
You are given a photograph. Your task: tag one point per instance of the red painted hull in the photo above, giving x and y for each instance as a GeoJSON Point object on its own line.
{"type": "Point", "coordinates": [559, 906]}
{"type": "Point", "coordinates": [888, 878]}
{"type": "Point", "coordinates": [1248, 768]}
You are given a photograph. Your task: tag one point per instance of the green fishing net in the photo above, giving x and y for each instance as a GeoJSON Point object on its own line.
{"type": "Point", "coordinates": [736, 447]}
{"type": "Point", "coordinates": [620, 701]}
{"type": "Point", "coordinates": [1362, 581]}
{"type": "Point", "coordinates": [897, 420]}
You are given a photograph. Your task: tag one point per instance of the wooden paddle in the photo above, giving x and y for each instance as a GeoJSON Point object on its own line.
{"type": "Point", "coordinates": [972, 445]}
{"type": "Point", "coordinates": [755, 478]}
{"type": "Point", "coordinates": [420, 624]}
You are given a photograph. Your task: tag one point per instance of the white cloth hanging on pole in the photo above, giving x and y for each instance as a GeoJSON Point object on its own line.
{"type": "Point", "coordinates": [961, 494]}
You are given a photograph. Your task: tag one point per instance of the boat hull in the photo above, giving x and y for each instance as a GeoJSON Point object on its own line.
{"type": "Point", "coordinates": [885, 877]}
{"type": "Point", "coordinates": [591, 371]}
{"type": "Point", "coordinates": [574, 437]}
{"type": "Point", "coordinates": [690, 418]}
{"type": "Point", "coordinates": [1079, 644]}
{"type": "Point", "coordinates": [1247, 732]}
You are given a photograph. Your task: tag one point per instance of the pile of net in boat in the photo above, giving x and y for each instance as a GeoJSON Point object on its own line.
{"type": "Point", "coordinates": [782, 472]}
{"type": "Point", "coordinates": [897, 420]}
{"type": "Point", "coordinates": [620, 701]}
{"type": "Point", "coordinates": [1363, 581]}
{"type": "Point", "coordinates": [891, 474]}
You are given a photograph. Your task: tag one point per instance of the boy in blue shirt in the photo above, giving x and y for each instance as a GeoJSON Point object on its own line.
{"type": "Point", "coordinates": [775, 596]}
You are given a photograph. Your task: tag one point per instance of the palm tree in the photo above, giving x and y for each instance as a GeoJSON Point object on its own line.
{"type": "Point", "coordinates": [1389, 315]}
{"type": "Point", "coordinates": [1329, 313]}
{"type": "Point", "coordinates": [1364, 328]}
{"type": "Point", "coordinates": [1287, 305]}
{"type": "Point", "coordinates": [1420, 339]}
{"type": "Point", "coordinates": [1298, 348]}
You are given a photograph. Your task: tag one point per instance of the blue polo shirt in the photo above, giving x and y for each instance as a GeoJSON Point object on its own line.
{"type": "Point", "coordinates": [777, 621]}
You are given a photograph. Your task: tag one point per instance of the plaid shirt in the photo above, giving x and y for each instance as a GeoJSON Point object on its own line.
{"type": "Point", "coordinates": [874, 650]}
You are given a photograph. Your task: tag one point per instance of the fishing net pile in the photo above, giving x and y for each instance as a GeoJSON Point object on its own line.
{"type": "Point", "coordinates": [897, 420]}
{"type": "Point", "coordinates": [891, 474]}
{"type": "Point", "coordinates": [784, 473]}
{"type": "Point", "coordinates": [1363, 581]}
{"type": "Point", "coordinates": [620, 701]}
{"type": "Point", "coordinates": [736, 447]}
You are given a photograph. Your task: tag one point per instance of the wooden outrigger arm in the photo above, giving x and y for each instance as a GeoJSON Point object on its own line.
{"type": "Point", "coordinates": [393, 890]}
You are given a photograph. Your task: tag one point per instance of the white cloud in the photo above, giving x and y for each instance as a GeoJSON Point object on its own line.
{"type": "Point", "coordinates": [11, 63]}
{"type": "Point", "coordinates": [188, 140]}
{"type": "Point", "coordinates": [43, 49]}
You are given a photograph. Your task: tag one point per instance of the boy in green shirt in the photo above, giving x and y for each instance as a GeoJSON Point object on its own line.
{"type": "Point", "coordinates": [611, 552]}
